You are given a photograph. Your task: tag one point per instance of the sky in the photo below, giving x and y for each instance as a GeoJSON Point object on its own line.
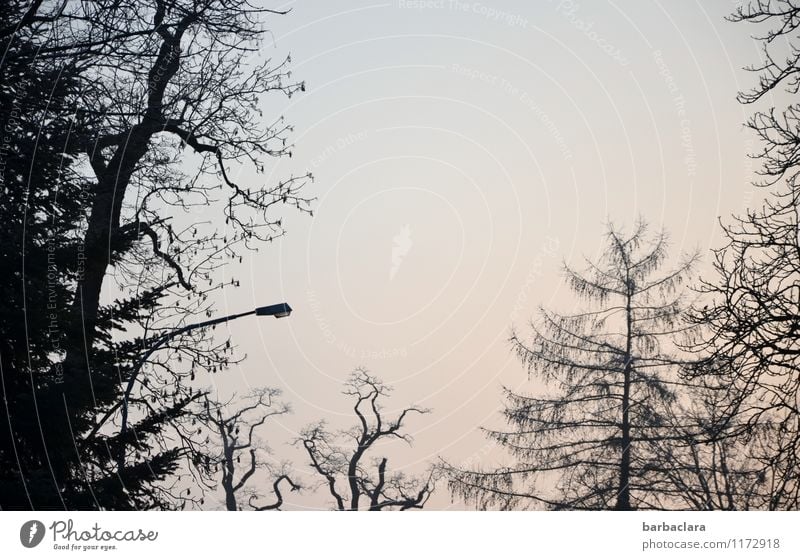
{"type": "Point", "coordinates": [462, 151]}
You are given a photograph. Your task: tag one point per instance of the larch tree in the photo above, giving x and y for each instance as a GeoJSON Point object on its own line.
{"type": "Point", "coordinates": [604, 388]}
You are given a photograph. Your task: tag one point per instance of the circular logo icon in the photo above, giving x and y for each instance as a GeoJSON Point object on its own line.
{"type": "Point", "coordinates": [31, 533]}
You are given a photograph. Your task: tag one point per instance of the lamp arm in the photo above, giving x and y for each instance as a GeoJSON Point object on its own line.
{"type": "Point", "coordinates": [141, 361]}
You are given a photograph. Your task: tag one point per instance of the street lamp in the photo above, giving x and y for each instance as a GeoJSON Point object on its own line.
{"type": "Point", "coordinates": [278, 311]}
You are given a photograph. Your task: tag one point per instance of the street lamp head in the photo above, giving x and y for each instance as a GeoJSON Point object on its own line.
{"type": "Point", "coordinates": [279, 310]}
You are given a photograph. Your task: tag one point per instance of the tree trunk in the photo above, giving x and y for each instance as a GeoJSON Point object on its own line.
{"type": "Point", "coordinates": [113, 178]}
{"type": "Point", "coordinates": [230, 495]}
{"type": "Point", "coordinates": [352, 476]}
{"type": "Point", "coordinates": [624, 493]}
{"type": "Point", "coordinates": [98, 244]}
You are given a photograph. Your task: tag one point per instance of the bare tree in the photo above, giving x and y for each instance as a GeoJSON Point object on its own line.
{"type": "Point", "coordinates": [751, 339]}
{"type": "Point", "coordinates": [777, 128]}
{"type": "Point", "coordinates": [694, 469]}
{"type": "Point", "coordinates": [352, 475]}
{"type": "Point", "coordinates": [231, 453]}
{"type": "Point", "coordinates": [180, 77]}
{"type": "Point", "coordinates": [609, 382]}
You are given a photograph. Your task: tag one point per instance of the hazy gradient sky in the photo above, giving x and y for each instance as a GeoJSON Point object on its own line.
{"type": "Point", "coordinates": [461, 150]}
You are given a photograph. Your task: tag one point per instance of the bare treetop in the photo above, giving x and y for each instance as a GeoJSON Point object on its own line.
{"type": "Point", "coordinates": [347, 470]}
{"type": "Point", "coordinates": [608, 374]}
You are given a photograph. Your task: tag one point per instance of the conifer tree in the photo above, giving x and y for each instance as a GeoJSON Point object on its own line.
{"type": "Point", "coordinates": [605, 385]}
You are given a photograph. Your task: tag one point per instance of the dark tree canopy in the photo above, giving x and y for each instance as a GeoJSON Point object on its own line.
{"type": "Point", "coordinates": [147, 111]}
{"type": "Point", "coordinates": [42, 206]}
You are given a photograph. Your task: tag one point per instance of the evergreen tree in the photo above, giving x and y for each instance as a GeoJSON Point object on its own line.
{"type": "Point", "coordinates": [100, 102]}
{"type": "Point", "coordinates": [42, 208]}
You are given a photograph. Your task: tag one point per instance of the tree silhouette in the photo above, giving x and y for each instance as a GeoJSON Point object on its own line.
{"type": "Point", "coordinates": [353, 477]}
{"type": "Point", "coordinates": [162, 107]}
{"type": "Point", "coordinates": [42, 204]}
{"type": "Point", "coordinates": [608, 374]}
{"type": "Point", "coordinates": [694, 469]}
{"type": "Point", "coordinates": [230, 431]}
{"type": "Point", "coordinates": [751, 342]}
